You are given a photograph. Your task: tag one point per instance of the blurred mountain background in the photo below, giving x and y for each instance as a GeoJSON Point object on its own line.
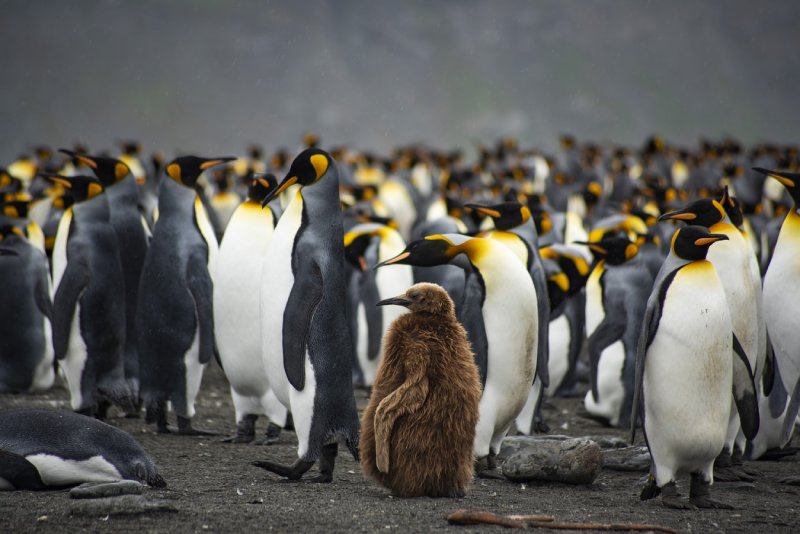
{"type": "Point", "coordinates": [212, 76]}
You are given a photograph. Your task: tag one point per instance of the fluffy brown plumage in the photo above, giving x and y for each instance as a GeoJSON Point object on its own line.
{"type": "Point", "coordinates": [418, 429]}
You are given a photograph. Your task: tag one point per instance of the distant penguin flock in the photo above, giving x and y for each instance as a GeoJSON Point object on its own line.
{"type": "Point", "coordinates": [657, 283]}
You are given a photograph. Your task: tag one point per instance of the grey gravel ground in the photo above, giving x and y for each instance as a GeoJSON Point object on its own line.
{"type": "Point", "coordinates": [212, 488]}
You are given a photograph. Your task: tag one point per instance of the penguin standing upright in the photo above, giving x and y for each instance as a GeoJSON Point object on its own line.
{"type": "Point", "coordinates": [781, 296]}
{"type": "Point", "coordinates": [307, 352]}
{"type": "Point", "coordinates": [132, 235]}
{"type": "Point", "coordinates": [685, 373]}
{"type": "Point", "coordinates": [372, 286]}
{"type": "Point", "coordinates": [504, 327]}
{"type": "Point", "coordinates": [174, 315]}
{"type": "Point", "coordinates": [26, 350]}
{"type": "Point", "coordinates": [237, 302]}
{"type": "Point", "coordinates": [89, 301]}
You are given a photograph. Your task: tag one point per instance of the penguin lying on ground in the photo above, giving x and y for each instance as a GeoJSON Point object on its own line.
{"type": "Point", "coordinates": [44, 448]}
{"type": "Point", "coordinates": [685, 373]}
{"type": "Point", "coordinates": [418, 430]}
{"type": "Point", "coordinates": [306, 348]}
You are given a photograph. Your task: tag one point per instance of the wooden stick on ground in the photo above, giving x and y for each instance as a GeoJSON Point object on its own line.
{"type": "Point", "coordinates": [467, 517]}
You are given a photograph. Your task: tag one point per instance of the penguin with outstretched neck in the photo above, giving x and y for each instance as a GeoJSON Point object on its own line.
{"type": "Point", "coordinates": [418, 429]}
{"type": "Point", "coordinates": [306, 347]}
{"type": "Point", "coordinates": [685, 374]}
{"type": "Point", "coordinates": [174, 315]}
{"type": "Point", "coordinates": [129, 225]}
{"type": "Point", "coordinates": [89, 301]}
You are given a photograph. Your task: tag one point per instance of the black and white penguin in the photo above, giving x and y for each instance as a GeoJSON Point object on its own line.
{"type": "Point", "coordinates": [514, 227]}
{"type": "Point", "coordinates": [504, 327]}
{"type": "Point", "coordinates": [685, 373]}
{"type": "Point", "coordinates": [132, 235]}
{"type": "Point", "coordinates": [174, 315]}
{"type": "Point", "coordinates": [372, 286]}
{"type": "Point", "coordinates": [781, 294]}
{"type": "Point", "coordinates": [623, 283]}
{"type": "Point", "coordinates": [237, 303]}
{"type": "Point", "coordinates": [89, 301]}
{"type": "Point", "coordinates": [45, 448]}
{"type": "Point", "coordinates": [307, 352]}
{"type": "Point", "coordinates": [26, 347]}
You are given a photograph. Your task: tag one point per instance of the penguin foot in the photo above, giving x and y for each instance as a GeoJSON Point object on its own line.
{"type": "Point", "coordinates": [700, 494]}
{"type": "Point", "coordinates": [650, 489]}
{"type": "Point", "coordinates": [157, 413]}
{"type": "Point", "coordinates": [731, 474]}
{"type": "Point", "coordinates": [292, 472]}
{"type": "Point", "coordinates": [792, 481]}
{"type": "Point", "coordinates": [185, 428]}
{"type": "Point", "coordinates": [245, 430]}
{"type": "Point", "coordinates": [671, 499]}
{"type": "Point", "coordinates": [484, 468]}
{"type": "Point", "coordinates": [289, 425]}
{"type": "Point", "coordinates": [540, 427]}
{"type": "Point", "coordinates": [776, 454]}
{"type": "Point", "coordinates": [708, 502]}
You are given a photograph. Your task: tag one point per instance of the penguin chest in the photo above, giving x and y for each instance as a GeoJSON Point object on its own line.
{"type": "Point", "coordinates": [688, 367]}
{"type": "Point", "coordinates": [60, 247]}
{"type": "Point", "coordinates": [559, 343]}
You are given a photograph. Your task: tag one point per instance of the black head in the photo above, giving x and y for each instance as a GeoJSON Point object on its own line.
{"type": "Point", "coordinates": [80, 187]}
{"type": "Point", "coordinates": [355, 248]}
{"type": "Point", "coordinates": [428, 252]}
{"type": "Point", "coordinates": [307, 168]}
{"type": "Point", "coordinates": [692, 242]}
{"type": "Point", "coordinates": [704, 212]}
{"type": "Point", "coordinates": [790, 180]}
{"type": "Point", "coordinates": [260, 186]}
{"type": "Point", "coordinates": [506, 216]}
{"type": "Point", "coordinates": [614, 249]}
{"type": "Point", "coordinates": [7, 230]}
{"type": "Point", "coordinates": [187, 169]}
{"type": "Point", "coordinates": [16, 209]}
{"type": "Point", "coordinates": [732, 207]}
{"type": "Point", "coordinates": [108, 170]}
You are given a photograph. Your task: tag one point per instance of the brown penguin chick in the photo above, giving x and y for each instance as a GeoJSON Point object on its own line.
{"type": "Point", "coordinates": [418, 430]}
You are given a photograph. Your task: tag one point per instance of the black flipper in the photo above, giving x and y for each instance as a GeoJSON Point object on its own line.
{"type": "Point", "coordinates": [609, 331]}
{"type": "Point", "coordinates": [368, 293]}
{"type": "Point", "coordinates": [42, 292]}
{"type": "Point", "coordinates": [471, 317]}
{"type": "Point", "coordinates": [19, 472]}
{"type": "Point", "coordinates": [73, 284]}
{"type": "Point", "coordinates": [744, 391]}
{"type": "Point", "coordinates": [201, 288]}
{"type": "Point", "coordinates": [791, 414]}
{"type": "Point", "coordinates": [304, 298]}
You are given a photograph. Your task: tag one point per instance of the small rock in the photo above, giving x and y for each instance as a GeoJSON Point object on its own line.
{"type": "Point", "coordinates": [95, 490]}
{"type": "Point", "coordinates": [571, 460]}
{"type": "Point", "coordinates": [627, 459]}
{"type": "Point", "coordinates": [123, 505]}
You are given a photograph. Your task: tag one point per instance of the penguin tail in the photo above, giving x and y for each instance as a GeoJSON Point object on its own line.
{"type": "Point", "coordinates": [157, 481]}
{"type": "Point", "coordinates": [352, 446]}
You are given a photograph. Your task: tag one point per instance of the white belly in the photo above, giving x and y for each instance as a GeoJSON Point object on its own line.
{"type": "Point", "coordinates": [60, 248]}
{"type": "Point", "coordinates": [55, 471]}
{"type": "Point", "coordinates": [75, 361]}
{"type": "Point", "coordinates": [558, 362]}
{"type": "Point", "coordinates": [610, 389]}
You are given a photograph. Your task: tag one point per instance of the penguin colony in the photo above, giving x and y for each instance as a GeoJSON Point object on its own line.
{"type": "Point", "coordinates": [663, 276]}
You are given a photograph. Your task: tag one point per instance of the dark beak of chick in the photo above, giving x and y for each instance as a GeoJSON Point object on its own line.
{"type": "Point", "coordinates": [397, 301]}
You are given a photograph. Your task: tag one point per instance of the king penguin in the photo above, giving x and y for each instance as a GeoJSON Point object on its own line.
{"type": "Point", "coordinates": [174, 315]}
{"type": "Point", "coordinates": [89, 301]}
{"type": "Point", "coordinates": [306, 347]}
{"type": "Point", "coordinates": [237, 301]}
{"type": "Point", "coordinates": [132, 235]}
{"type": "Point", "coordinates": [781, 297]}
{"type": "Point", "coordinates": [26, 349]}
{"type": "Point", "coordinates": [503, 323]}
{"type": "Point", "coordinates": [685, 373]}
{"type": "Point", "coordinates": [373, 286]}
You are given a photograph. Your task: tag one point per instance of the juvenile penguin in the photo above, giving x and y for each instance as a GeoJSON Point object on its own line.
{"type": "Point", "coordinates": [418, 429]}
{"type": "Point", "coordinates": [174, 315]}
{"type": "Point", "coordinates": [685, 373]}
{"type": "Point", "coordinates": [237, 303]}
{"type": "Point", "coordinates": [306, 348]}
{"type": "Point", "coordinates": [781, 297]}
{"type": "Point", "coordinates": [500, 311]}
{"type": "Point", "coordinates": [26, 347]}
{"type": "Point", "coordinates": [89, 301]}
{"type": "Point", "coordinates": [132, 235]}
{"type": "Point", "coordinates": [46, 448]}
{"type": "Point", "coordinates": [372, 286]}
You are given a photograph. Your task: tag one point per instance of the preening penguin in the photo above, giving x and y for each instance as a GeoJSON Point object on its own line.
{"type": "Point", "coordinates": [499, 314]}
{"type": "Point", "coordinates": [418, 430]}
{"type": "Point", "coordinates": [307, 352]}
{"type": "Point", "coordinates": [372, 286]}
{"type": "Point", "coordinates": [46, 448]}
{"type": "Point", "coordinates": [89, 301]}
{"type": "Point", "coordinates": [237, 304]}
{"type": "Point", "coordinates": [685, 373]}
{"type": "Point", "coordinates": [174, 316]}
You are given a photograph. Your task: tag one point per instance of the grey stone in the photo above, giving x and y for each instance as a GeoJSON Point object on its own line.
{"type": "Point", "coordinates": [531, 458]}
{"type": "Point", "coordinates": [95, 490]}
{"type": "Point", "coordinates": [122, 505]}
{"type": "Point", "coordinates": [627, 459]}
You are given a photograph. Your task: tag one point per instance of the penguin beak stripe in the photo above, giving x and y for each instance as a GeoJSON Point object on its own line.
{"type": "Point", "coordinates": [785, 181]}
{"type": "Point", "coordinates": [494, 214]}
{"type": "Point", "coordinates": [362, 263]}
{"type": "Point", "coordinates": [87, 161]}
{"type": "Point", "coordinates": [400, 257]}
{"type": "Point", "coordinates": [708, 240]}
{"type": "Point", "coordinates": [63, 181]}
{"type": "Point", "coordinates": [597, 248]}
{"type": "Point", "coordinates": [398, 301]}
{"type": "Point", "coordinates": [280, 189]}
{"type": "Point", "coordinates": [678, 216]}
{"type": "Point", "coordinates": [208, 164]}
